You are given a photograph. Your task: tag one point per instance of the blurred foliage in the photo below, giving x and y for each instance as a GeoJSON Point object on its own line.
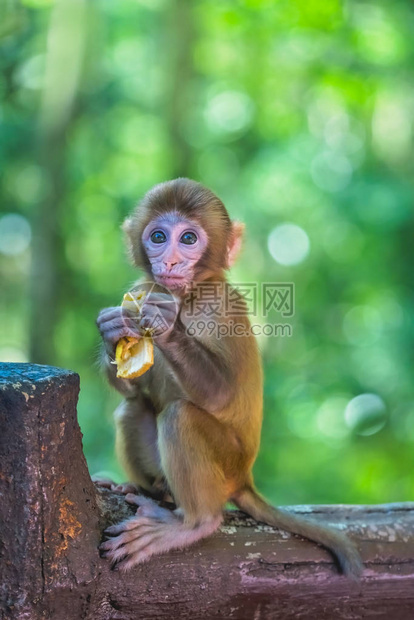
{"type": "Point", "coordinates": [296, 113]}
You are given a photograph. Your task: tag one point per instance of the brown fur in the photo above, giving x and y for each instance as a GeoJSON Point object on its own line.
{"type": "Point", "coordinates": [194, 419]}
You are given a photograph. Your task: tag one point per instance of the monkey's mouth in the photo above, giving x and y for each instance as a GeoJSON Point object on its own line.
{"type": "Point", "coordinates": [170, 281]}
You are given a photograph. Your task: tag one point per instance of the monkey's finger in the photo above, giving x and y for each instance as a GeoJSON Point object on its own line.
{"type": "Point", "coordinates": [110, 314]}
{"type": "Point", "coordinates": [105, 483]}
{"type": "Point", "coordinates": [115, 555]}
{"type": "Point", "coordinates": [112, 328]}
{"type": "Point", "coordinates": [134, 551]}
{"type": "Point", "coordinates": [168, 314]}
{"type": "Point", "coordinates": [116, 335]}
{"type": "Point", "coordinates": [129, 562]}
{"type": "Point", "coordinates": [113, 543]}
{"type": "Point", "coordinates": [106, 311]}
{"type": "Point", "coordinates": [126, 326]}
{"type": "Point", "coordinates": [129, 524]}
{"type": "Point", "coordinates": [124, 488]}
{"type": "Point", "coordinates": [148, 508]}
{"type": "Point", "coordinates": [138, 500]}
{"type": "Point", "coordinates": [155, 298]}
{"type": "Point", "coordinates": [160, 305]}
{"type": "Point", "coordinates": [127, 537]}
{"type": "Point", "coordinates": [118, 321]}
{"type": "Point", "coordinates": [140, 556]}
{"type": "Point", "coordinates": [117, 541]}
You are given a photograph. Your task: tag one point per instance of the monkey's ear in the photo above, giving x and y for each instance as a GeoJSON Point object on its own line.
{"type": "Point", "coordinates": [234, 247]}
{"type": "Point", "coordinates": [126, 225]}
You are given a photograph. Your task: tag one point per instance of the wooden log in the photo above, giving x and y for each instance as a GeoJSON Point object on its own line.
{"type": "Point", "coordinates": [51, 519]}
{"type": "Point", "coordinates": [48, 513]}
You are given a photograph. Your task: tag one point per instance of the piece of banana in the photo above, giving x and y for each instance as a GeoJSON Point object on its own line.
{"type": "Point", "coordinates": [134, 356]}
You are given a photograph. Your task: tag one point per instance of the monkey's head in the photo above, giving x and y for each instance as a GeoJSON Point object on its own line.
{"type": "Point", "coordinates": [181, 233]}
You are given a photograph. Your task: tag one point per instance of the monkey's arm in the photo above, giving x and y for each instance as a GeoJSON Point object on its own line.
{"type": "Point", "coordinates": [204, 375]}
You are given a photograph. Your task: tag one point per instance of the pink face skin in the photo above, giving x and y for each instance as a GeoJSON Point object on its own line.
{"type": "Point", "coordinates": [174, 245]}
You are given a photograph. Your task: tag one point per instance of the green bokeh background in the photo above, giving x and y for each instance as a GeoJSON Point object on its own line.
{"type": "Point", "coordinates": [297, 112]}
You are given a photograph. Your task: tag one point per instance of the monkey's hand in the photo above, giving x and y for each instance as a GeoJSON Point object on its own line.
{"type": "Point", "coordinates": [158, 315]}
{"type": "Point", "coordinates": [114, 324]}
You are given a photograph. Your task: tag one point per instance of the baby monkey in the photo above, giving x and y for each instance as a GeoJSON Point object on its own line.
{"type": "Point", "coordinates": [190, 426]}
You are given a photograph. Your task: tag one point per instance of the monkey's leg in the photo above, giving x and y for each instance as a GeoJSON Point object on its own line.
{"type": "Point", "coordinates": [191, 443]}
{"type": "Point", "coordinates": [136, 443]}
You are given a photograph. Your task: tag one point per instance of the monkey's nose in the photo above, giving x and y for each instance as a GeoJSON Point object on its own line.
{"type": "Point", "coordinates": [169, 265]}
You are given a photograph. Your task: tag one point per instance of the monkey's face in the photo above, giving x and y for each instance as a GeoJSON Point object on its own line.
{"type": "Point", "coordinates": [174, 245]}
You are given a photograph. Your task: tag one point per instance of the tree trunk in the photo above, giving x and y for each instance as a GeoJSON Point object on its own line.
{"type": "Point", "coordinates": [52, 518]}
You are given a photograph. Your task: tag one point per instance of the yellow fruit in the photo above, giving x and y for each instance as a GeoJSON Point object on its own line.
{"type": "Point", "coordinates": [134, 356]}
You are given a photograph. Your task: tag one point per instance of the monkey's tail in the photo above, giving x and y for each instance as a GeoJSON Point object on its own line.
{"type": "Point", "coordinates": [337, 543]}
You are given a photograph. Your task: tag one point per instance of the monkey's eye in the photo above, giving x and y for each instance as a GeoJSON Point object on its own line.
{"type": "Point", "coordinates": [189, 238]}
{"type": "Point", "coordinates": [158, 237]}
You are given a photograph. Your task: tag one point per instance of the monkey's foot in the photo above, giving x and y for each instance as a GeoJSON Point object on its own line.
{"type": "Point", "coordinates": [151, 531]}
{"type": "Point", "coordinates": [107, 483]}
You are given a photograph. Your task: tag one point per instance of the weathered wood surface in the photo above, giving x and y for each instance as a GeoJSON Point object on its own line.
{"type": "Point", "coordinates": [51, 519]}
